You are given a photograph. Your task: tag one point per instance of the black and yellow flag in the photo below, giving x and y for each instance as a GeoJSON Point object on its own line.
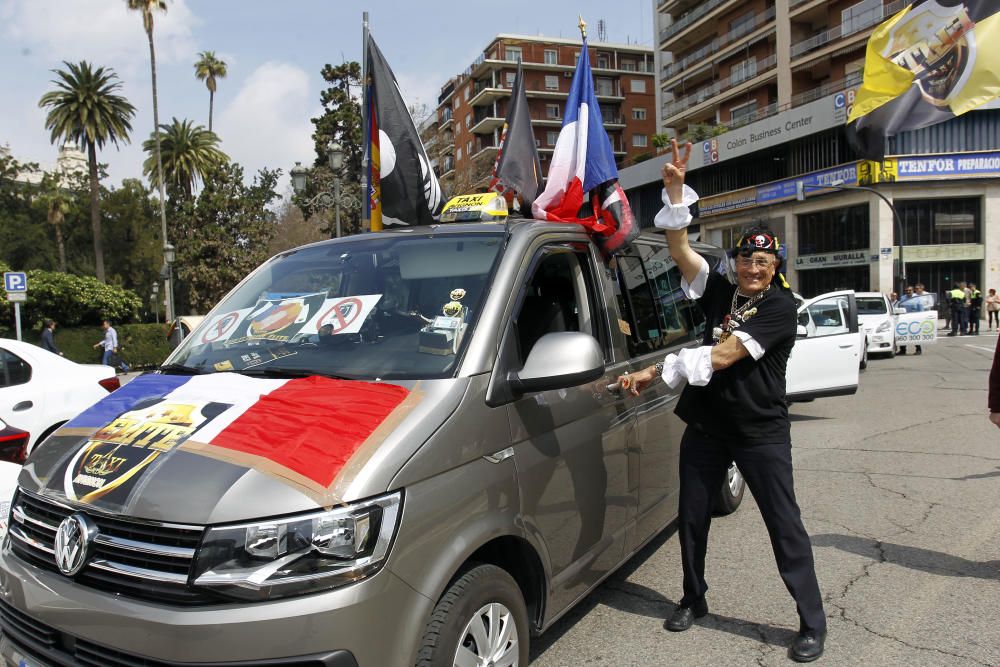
{"type": "Point", "coordinates": [934, 60]}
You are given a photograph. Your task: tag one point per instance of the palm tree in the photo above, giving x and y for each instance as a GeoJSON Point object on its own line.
{"type": "Point", "coordinates": [147, 7]}
{"type": "Point", "coordinates": [86, 108]}
{"type": "Point", "coordinates": [208, 69]}
{"type": "Point", "coordinates": [57, 209]}
{"type": "Point", "coordinates": [188, 152]}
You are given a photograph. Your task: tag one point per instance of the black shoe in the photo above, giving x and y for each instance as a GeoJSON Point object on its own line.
{"type": "Point", "coordinates": [808, 646]}
{"type": "Point", "coordinates": [683, 617]}
{"type": "Point", "coordinates": [953, 334]}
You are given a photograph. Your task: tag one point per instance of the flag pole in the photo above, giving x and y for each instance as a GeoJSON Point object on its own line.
{"type": "Point", "coordinates": [583, 27]}
{"type": "Point", "coordinates": [365, 127]}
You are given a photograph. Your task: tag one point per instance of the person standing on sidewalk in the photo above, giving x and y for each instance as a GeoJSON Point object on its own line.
{"type": "Point", "coordinates": [956, 299]}
{"type": "Point", "coordinates": [49, 339]}
{"type": "Point", "coordinates": [992, 310]}
{"type": "Point", "coordinates": [734, 407]}
{"type": "Point", "coordinates": [975, 309]}
{"type": "Point", "coordinates": [110, 346]}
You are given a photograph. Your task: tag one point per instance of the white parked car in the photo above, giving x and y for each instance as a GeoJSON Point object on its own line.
{"type": "Point", "coordinates": [40, 391]}
{"type": "Point", "coordinates": [876, 317]}
{"type": "Point", "coordinates": [829, 348]}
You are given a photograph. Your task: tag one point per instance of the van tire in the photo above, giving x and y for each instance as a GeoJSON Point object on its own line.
{"type": "Point", "coordinates": [731, 494]}
{"type": "Point", "coordinates": [476, 587]}
{"type": "Point", "coordinates": [864, 356]}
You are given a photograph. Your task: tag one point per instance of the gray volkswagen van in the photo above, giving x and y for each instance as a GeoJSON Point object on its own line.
{"type": "Point", "coordinates": [403, 448]}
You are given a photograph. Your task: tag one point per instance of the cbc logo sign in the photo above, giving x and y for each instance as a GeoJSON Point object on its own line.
{"type": "Point", "coordinates": [925, 328]}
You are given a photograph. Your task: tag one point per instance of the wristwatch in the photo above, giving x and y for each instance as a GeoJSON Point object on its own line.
{"type": "Point", "coordinates": [659, 367]}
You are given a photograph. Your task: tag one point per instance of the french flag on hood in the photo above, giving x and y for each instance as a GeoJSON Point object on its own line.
{"type": "Point", "coordinates": [583, 164]}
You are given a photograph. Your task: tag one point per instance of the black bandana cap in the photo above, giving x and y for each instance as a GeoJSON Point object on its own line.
{"type": "Point", "coordinates": [757, 240]}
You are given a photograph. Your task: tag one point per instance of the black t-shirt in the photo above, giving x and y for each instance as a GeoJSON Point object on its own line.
{"type": "Point", "coordinates": [745, 403]}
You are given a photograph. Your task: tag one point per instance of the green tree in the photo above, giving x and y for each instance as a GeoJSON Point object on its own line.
{"type": "Point", "coordinates": [209, 69]}
{"type": "Point", "coordinates": [133, 237]}
{"type": "Point", "coordinates": [86, 108]}
{"type": "Point", "coordinates": [187, 153]}
{"type": "Point", "coordinates": [58, 206]}
{"type": "Point", "coordinates": [222, 234]}
{"type": "Point", "coordinates": [340, 122]}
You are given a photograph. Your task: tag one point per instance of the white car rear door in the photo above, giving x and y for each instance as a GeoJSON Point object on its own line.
{"type": "Point", "coordinates": [824, 361]}
{"type": "Point", "coordinates": [22, 394]}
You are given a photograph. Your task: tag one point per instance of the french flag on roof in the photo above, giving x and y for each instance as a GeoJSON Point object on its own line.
{"type": "Point", "coordinates": [583, 164]}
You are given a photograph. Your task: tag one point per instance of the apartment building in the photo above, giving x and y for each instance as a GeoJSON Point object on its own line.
{"type": "Point", "coordinates": [763, 89]}
{"type": "Point", "coordinates": [472, 106]}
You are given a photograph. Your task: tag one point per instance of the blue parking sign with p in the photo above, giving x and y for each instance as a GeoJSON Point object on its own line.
{"type": "Point", "coordinates": [15, 281]}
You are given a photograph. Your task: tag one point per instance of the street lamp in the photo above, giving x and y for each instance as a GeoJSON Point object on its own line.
{"type": "Point", "coordinates": [324, 200]}
{"type": "Point", "coordinates": [801, 187]}
{"type": "Point", "coordinates": [169, 255]}
{"type": "Point", "coordinates": [153, 297]}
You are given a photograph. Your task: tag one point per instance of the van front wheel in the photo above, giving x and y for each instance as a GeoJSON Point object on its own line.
{"type": "Point", "coordinates": [731, 494]}
{"type": "Point", "coordinates": [480, 620]}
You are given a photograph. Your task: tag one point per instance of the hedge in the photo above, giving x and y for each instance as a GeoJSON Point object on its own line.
{"type": "Point", "coordinates": [142, 345]}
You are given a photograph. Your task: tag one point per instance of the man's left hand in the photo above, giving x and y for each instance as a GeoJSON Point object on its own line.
{"type": "Point", "coordinates": [638, 381]}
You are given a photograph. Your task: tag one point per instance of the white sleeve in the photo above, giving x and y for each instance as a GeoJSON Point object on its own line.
{"type": "Point", "coordinates": [696, 288]}
{"type": "Point", "coordinates": [693, 364]}
{"type": "Point", "coordinates": [675, 216]}
{"type": "Point", "coordinates": [752, 346]}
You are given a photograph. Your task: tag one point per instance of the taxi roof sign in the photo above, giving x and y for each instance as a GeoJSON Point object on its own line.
{"type": "Point", "coordinates": [485, 207]}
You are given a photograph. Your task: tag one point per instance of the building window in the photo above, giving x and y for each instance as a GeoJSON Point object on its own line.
{"type": "Point", "coordinates": [458, 102]}
{"type": "Point", "coordinates": [637, 85]}
{"type": "Point", "coordinates": [860, 16]}
{"type": "Point", "coordinates": [603, 61]}
{"type": "Point", "coordinates": [605, 87]}
{"type": "Point", "coordinates": [741, 113]}
{"type": "Point", "coordinates": [552, 111]}
{"type": "Point", "coordinates": [628, 65]}
{"type": "Point", "coordinates": [742, 71]}
{"type": "Point", "coordinates": [551, 138]}
{"type": "Point", "coordinates": [513, 54]}
{"type": "Point", "coordinates": [458, 153]}
{"type": "Point", "coordinates": [576, 59]}
{"type": "Point", "coordinates": [468, 120]}
{"type": "Point", "coordinates": [551, 82]}
{"type": "Point", "coordinates": [940, 221]}
{"type": "Point", "coordinates": [468, 91]}
{"type": "Point", "coordinates": [638, 140]}
{"type": "Point", "coordinates": [551, 57]}
{"type": "Point", "coordinates": [833, 230]}
{"type": "Point", "coordinates": [468, 147]}
{"type": "Point", "coordinates": [511, 76]}
{"type": "Point", "coordinates": [638, 113]}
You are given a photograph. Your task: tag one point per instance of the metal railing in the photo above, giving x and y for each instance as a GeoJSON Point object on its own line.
{"type": "Point", "coordinates": [761, 65]}
{"type": "Point", "coordinates": [690, 17]}
{"type": "Point", "coordinates": [753, 116]}
{"type": "Point", "coordinates": [858, 24]}
{"type": "Point", "coordinates": [827, 88]}
{"type": "Point", "coordinates": [718, 43]}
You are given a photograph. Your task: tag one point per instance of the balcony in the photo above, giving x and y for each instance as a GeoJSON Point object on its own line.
{"type": "Point", "coordinates": [688, 18]}
{"type": "Point", "coordinates": [761, 66]}
{"type": "Point", "coordinates": [854, 27]}
{"type": "Point", "coordinates": [484, 121]}
{"type": "Point", "coordinates": [752, 117]}
{"type": "Point", "coordinates": [827, 88]}
{"type": "Point", "coordinates": [718, 44]}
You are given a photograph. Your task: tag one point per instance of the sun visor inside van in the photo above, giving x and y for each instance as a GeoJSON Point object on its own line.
{"type": "Point", "coordinates": [439, 259]}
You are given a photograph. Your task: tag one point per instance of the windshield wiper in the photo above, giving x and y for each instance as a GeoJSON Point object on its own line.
{"type": "Point", "coordinates": [181, 369]}
{"type": "Point", "coordinates": [274, 372]}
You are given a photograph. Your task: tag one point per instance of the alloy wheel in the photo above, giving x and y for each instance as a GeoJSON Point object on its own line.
{"type": "Point", "coordinates": [489, 640]}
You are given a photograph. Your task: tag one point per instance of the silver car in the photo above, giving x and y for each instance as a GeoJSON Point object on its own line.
{"type": "Point", "coordinates": [404, 448]}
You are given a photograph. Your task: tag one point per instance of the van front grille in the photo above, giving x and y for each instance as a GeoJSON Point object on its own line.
{"type": "Point", "coordinates": [138, 559]}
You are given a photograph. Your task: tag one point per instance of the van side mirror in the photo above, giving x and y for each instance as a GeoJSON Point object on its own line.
{"type": "Point", "coordinates": [559, 360]}
{"type": "Point", "coordinates": [801, 332]}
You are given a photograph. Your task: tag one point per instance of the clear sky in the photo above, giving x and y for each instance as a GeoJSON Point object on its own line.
{"type": "Point", "coordinates": [275, 51]}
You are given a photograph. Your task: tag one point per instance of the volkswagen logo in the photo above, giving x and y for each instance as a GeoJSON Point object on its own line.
{"type": "Point", "coordinates": [74, 538]}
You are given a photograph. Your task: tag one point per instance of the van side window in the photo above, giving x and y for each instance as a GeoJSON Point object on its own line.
{"type": "Point", "coordinates": [559, 296]}
{"type": "Point", "coordinates": [13, 369]}
{"type": "Point", "coordinates": [658, 313]}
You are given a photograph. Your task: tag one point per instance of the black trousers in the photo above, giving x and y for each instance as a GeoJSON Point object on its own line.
{"type": "Point", "coordinates": [768, 472]}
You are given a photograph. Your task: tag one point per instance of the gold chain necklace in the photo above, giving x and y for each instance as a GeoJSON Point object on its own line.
{"type": "Point", "coordinates": [741, 313]}
{"type": "Point", "coordinates": [734, 311]}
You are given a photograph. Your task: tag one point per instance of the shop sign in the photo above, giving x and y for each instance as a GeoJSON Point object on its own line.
{"type": "Point", "coordinates": [957, 252]}
{"type": "Point", "coordinates": [833, 259]}
{"type": "Point", "coordinates": [784, 190]}
{"type": "Point", "coordinates": [725, 203]}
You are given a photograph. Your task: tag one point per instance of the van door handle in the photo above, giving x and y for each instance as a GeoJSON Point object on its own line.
{"type": "Point", "coordinates": [23, 405]}
{"type": "Point", "coordinates": [845, 346]}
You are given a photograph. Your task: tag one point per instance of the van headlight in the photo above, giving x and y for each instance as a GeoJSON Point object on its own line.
{"type": "Point", "coordinates": [300, 554]}
{"type": "Point", "coordinates": [885, 326]}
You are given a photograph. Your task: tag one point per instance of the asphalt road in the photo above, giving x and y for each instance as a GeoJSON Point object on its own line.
{"type": "Point", "coordinates": [899, 487]}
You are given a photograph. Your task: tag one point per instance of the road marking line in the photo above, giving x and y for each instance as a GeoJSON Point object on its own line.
{"type": "Point", "coordinates": [980, 347]}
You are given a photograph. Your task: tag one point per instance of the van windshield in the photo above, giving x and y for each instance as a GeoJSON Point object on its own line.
{"type": "Point", "coordinates": [393, 307]}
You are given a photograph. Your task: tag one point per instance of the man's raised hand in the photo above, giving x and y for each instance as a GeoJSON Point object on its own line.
{"type": "Point", "coordinates": [673, 171]}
